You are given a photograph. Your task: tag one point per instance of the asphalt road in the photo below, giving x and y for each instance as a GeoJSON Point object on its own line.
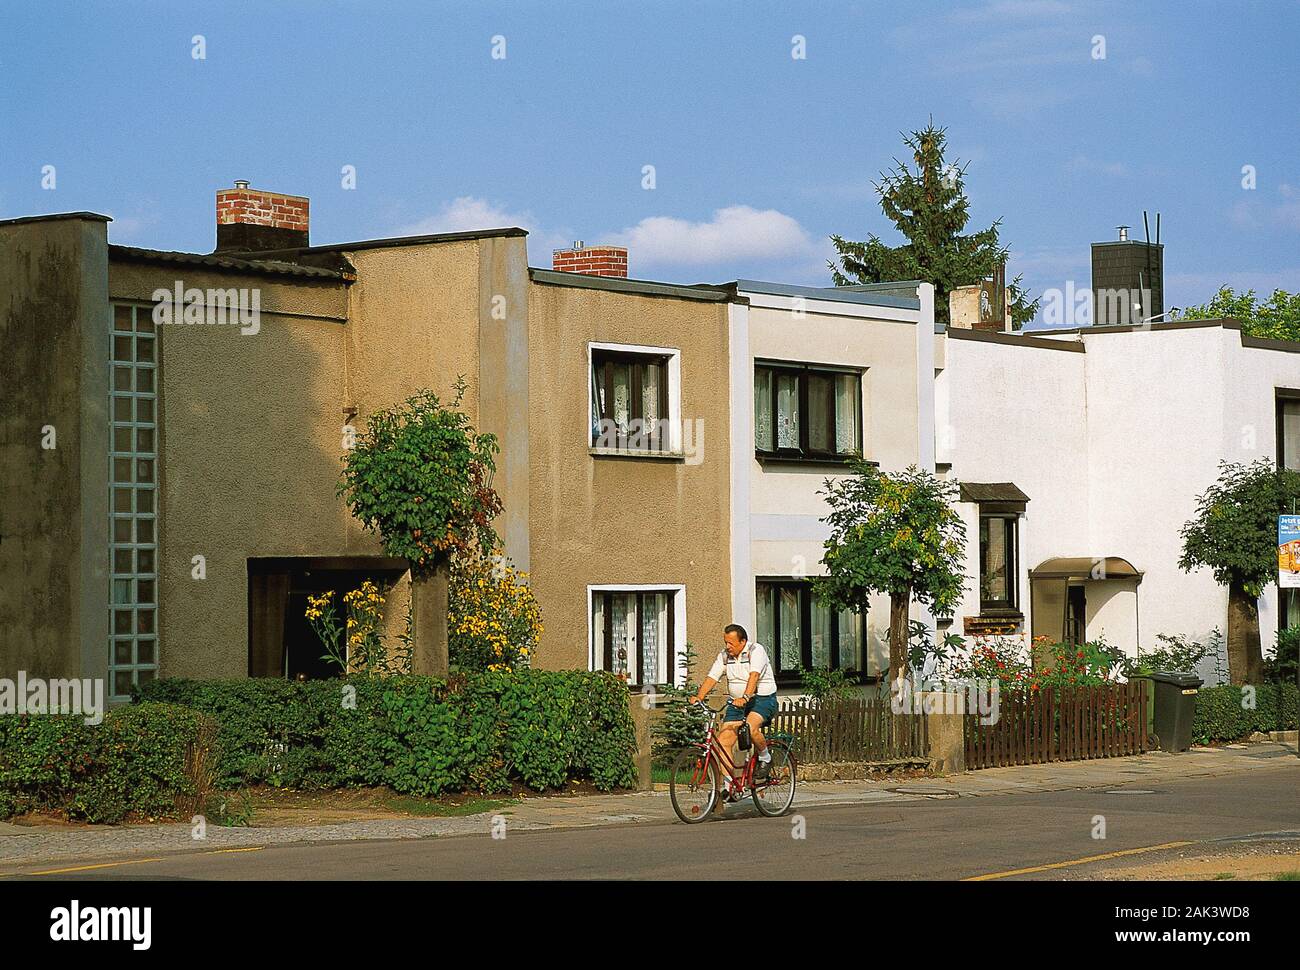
{"type": "Point", "coordinates": [1051, 834]}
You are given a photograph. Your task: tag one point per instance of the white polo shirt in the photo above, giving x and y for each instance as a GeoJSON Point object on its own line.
{"type": "Point", "coordinates": [753, 659]}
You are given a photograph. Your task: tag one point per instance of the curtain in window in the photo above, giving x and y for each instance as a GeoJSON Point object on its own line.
{"type": "Point", "coordinates": [820, 432]}
{"type": "Point", "coordinates": [654, 638]}
{"type": "Point", "coordinates": [650, 403]}
{"type": "Point", "coordinates": [622, 629]}
{"type": "Point", "coordinates": [766, 632]}
{"type": "Point", "coordinates": [598, 632]}
{"type": "Point", "coordinates": [849, 646]}
{"type": "Point", "coordinates": [763, 410]}
{"type": "Point", "coordinates": [622, 397]}
{"type": "Point", "coordinates": [790, 653]}
{"type": "Point", "coordinates": [787, 412]}
{"type": "Point", "coordinates": [821, 635]}
{"type": "Point", "coordinates": [597, 397]}
{"type": "Point", "coordinates": [847, 388]}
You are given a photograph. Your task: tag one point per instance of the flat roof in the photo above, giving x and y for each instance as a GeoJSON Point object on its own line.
{"type": "Point", "coordinates": [238, 264]}
{"type": "Point", "coordinates": [394, 241]}
{"type": "Point", "coordinates": [1015, 339]}
{"type": "Point", "coordinates": [863, 295]}
{"type": "Point", "coordinates": [619, 284]}
{"type": "Point", "coordinates": [1226, 323]}
{"type": "Point", "coordinates": [56, 216]}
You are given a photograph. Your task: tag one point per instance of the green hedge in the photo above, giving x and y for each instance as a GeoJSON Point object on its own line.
{"type": "Point", "coordinates": [133, 763]}
{"type": "Point", "coordinates": [418, 735]}
{"type": "Point", "coordinates": [1220, 715]}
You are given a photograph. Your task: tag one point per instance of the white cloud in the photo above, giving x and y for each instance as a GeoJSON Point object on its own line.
{"type": "Point", "coordinates": [466, 213]}
{"type": "Point", "coordinates": [765, 240]}
{"type": "Point", "coordinates": [734, 233]}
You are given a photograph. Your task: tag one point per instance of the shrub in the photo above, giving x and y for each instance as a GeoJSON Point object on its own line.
{"type": "Point", "coordinates": [493, 620]}
{"type": "Point", "coordinates": [1221, 716]}
{"type": "Point", "coordinates": [418, 735]}
{"type": "Point", "coordinates": [1079, 665]}
{"type": "Point", "coordinates": [823, 684]}
{"type": "Point", "coordinates": [421, 477]}
{"type": "Point", "coordinates": [149, 760]}
{"type": "Point", "coordinates": [1009, 661]}
{"type": "Point", "coordinates": [1281, 667]}
{"type": "Point", "coordinates": [1177, 653]}
{"type": "Point", "coordinates": [1004, 659]}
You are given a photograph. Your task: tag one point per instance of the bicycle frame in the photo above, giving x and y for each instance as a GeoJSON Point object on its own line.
{"type": "Point", "coordinates": [712, 749]}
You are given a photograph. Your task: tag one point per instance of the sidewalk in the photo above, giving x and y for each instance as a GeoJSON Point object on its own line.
{"type": "Point", "coordinates": [28, 849]}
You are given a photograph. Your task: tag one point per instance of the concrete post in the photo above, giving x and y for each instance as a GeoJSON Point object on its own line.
{"type": "Point", "coordinates": [945, 715]}
{"type": "Point", "coordinates": [641, 713]}
{"type": "Point", "coordinates": [429, 623]}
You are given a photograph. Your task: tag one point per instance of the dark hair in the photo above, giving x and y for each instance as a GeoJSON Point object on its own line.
{"type": "Point", "coordinates": [736, 628]}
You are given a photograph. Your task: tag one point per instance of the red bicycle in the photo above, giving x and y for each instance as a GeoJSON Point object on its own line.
{"type": "Point", "coordinates": [698, 779]}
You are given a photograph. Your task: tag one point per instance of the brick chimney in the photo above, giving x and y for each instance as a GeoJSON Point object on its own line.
{"type": "Point", "coordinates": [251, 219]}
{"type": "Point", "coordinates": [592, 260]}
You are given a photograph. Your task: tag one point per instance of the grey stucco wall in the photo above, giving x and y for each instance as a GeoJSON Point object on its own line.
{"type": "Point", "coordinates": [55, 324]}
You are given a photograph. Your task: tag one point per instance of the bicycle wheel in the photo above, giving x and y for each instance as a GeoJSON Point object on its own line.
{"type": "Point", "coordinates": [775, 795]}
{"type": "Point", "coordinates": [693, 785]}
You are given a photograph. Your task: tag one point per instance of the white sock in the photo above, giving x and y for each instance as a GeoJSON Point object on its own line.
{"type": "Point", "coordinates": [766, 756]}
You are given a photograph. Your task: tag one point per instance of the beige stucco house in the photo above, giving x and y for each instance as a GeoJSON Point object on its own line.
{"type": "Point", "coordinates": [818, 374]}
{"type": "Point", "coordinates": [170, 487]}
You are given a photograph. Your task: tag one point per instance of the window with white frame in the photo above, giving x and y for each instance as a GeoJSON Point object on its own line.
{"type": "Point", "coordinates": [133, 506]}
{"type": "Point", "coordinates": [635, 632]}
{"type": "Point", "coordinates": [634, 398]}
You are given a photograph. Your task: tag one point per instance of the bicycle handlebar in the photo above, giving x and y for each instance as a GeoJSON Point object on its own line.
{"type": "Point", "coordinates": [709, 707]}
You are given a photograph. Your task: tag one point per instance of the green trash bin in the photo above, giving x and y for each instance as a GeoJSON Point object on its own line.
{"type": "Point", "coordinates": [1175, 707]}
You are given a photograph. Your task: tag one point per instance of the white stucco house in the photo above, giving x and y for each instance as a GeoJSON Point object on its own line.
{"type": "Point", "coordinates": [815, 374]}
{"type": "Point", "coordinates": [1082, 453]}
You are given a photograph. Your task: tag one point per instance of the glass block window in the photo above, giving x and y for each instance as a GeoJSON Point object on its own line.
{"type": "Point", "coordinates": [133, 503]}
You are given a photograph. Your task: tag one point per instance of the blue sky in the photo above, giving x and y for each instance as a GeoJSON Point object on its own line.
{"type": "Point", "coordinates": [757, 156]}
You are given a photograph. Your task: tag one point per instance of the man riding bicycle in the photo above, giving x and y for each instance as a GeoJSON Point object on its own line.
{"type": "Point", "coordinates": [752, 687]}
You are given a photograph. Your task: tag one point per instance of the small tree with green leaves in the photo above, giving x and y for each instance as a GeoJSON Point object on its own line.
{"type": "Point", "coordinates": [1277, 317]}
{"type": "Point", "coordinates": [894, 533]}
{"type": "Point", "coordinates": [1234, 534]}
{"type": "Point", "coordinates": [421, 477]}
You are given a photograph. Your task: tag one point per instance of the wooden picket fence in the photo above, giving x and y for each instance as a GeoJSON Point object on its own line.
{"type": "Point", "coordinates": [1067, 724]}
{"type": "Point", "coordinates": [857, 729]}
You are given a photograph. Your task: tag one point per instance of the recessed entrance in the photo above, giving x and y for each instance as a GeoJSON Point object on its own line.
{"type": "Point", "coordinates": [281, 643]}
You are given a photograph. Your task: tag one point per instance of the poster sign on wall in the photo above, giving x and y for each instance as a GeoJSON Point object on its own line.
{"type": "Point", "coordinates": [1288, 551]}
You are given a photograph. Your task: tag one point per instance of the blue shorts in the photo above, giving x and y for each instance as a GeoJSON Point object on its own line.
{"type": "Point", "coordinates": [764, 705]}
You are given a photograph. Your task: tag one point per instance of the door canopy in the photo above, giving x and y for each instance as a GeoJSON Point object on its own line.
{"type": "Point", "coordinates": [1086, 568]}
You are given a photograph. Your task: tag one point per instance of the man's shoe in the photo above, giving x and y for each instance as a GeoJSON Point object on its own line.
{"type": "Point", "coordinates": [761, 770]}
